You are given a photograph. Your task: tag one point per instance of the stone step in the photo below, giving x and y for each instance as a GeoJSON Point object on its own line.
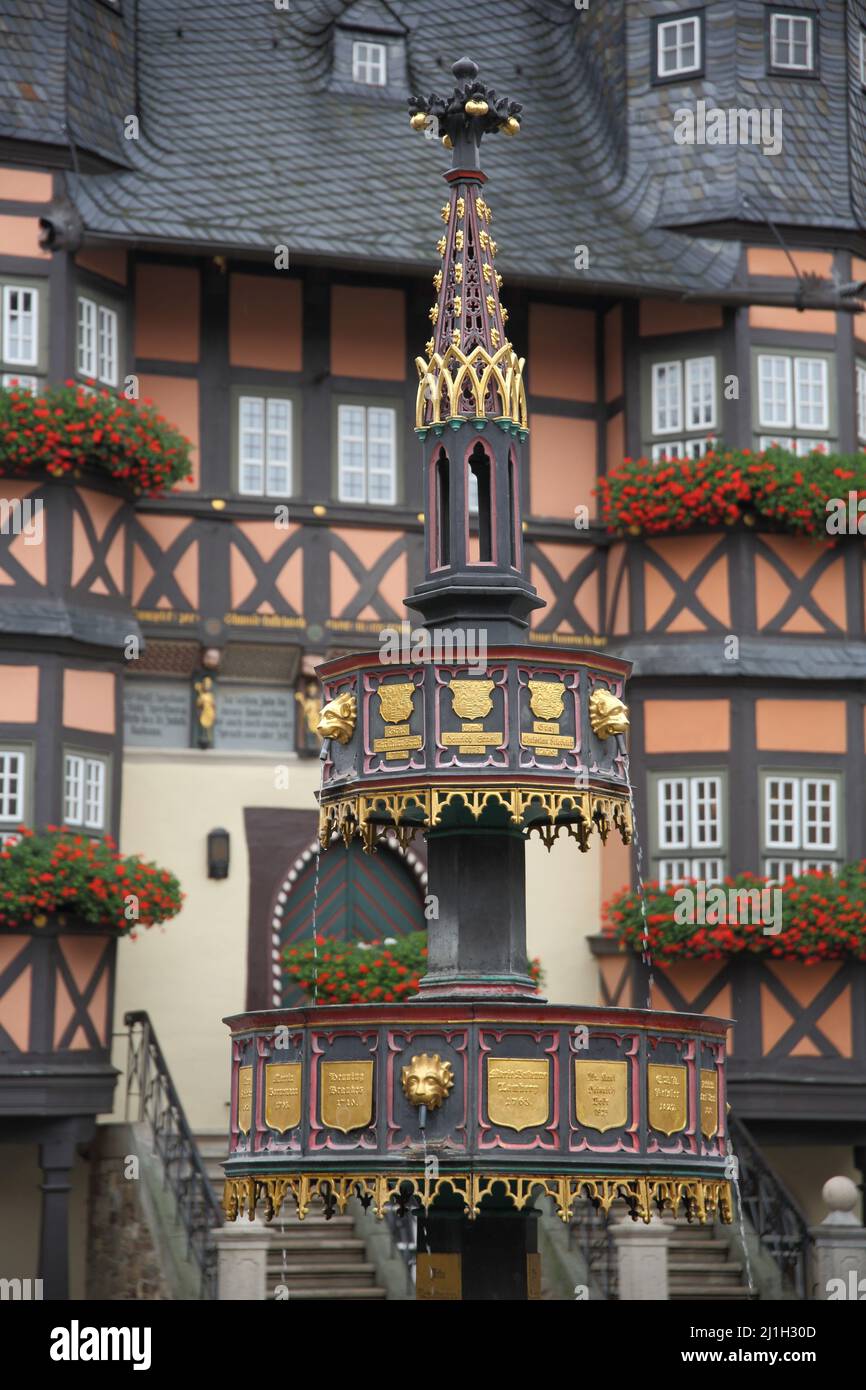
{"type": "Point", "coordinates": [322, 1275]}
{"type": "Point", "coordinates": [309, 1295]}
{"type": "Point", "coordinates": [704, 1267]}
{"type": "Point", "coordinates": [709, 1293]}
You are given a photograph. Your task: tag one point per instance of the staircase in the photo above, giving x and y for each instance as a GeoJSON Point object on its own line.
{"type": "Point", "coordinates": [323, 1260]}
{"type": "Point", "coordinates": [703, 1269]}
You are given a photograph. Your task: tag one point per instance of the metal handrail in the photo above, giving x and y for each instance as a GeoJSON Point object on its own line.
{"type": "Point", "coordinates": [775, 1217]}
{"type": "Point", "coordinates": [148, 1081]}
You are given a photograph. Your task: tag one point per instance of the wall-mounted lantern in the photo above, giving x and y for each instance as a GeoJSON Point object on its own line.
{"type": "Point", "coordinates": [218, 854]}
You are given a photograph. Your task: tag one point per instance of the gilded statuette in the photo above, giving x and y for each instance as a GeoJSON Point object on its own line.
{"type": "Point", "coordinates": [427, 1080]}
{"type": "Point", "coordinates": [608, 715]}
{"type": "Point", "coordinates": [338, 717]}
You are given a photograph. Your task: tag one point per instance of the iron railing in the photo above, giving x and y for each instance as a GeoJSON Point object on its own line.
{"type": "Point", "coordinates": [151, 1099]}
{"type": "Point", "coordinates": [774, 1215]}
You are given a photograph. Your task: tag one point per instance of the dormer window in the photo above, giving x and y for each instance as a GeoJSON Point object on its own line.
{"type": "Point", "coordinates": [369, 63]}
{"type": "Point", "coordinates": [678, 47]}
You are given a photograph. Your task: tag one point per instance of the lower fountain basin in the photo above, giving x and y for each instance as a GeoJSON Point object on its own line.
{"type": "Point", "coordinates": [602, 1103]}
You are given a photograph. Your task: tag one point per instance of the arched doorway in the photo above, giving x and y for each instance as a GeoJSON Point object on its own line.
{"type": "Point", "coordinates": [360, 897]}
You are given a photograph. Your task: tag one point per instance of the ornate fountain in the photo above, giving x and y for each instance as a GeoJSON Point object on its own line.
{"type": "Point", "coordinates": [477, 1094]}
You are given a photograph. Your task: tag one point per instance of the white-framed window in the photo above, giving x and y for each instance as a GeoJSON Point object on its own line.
{"type": "Point", "coordinates": [97, 342]}
{"type": "Point", "coordinates": [801, 823]}
{"type": "Point", "coordinates": [84, 781]}
{"type": "Point", "coordinates": [667, 397]}
{"type": "Point", "coordinates": [863, 57]}
{"type": "Point", "coordinates": [792, 42]}
{"type": "Point", "coordinates": [367, 454]}
{"type": "Point", "coordinates": [369, 63]}
{"type": "Point", "coordinates": [12, 787]}
{"type": "Point", "coordinates": [775, 396]}
{"type": "Point", "coordinates": [265, 446]}
{"type": "Point", "coordinates": [773, 441]}
{"type": "Point", "coordinates": [20, 325]}
{"type": "Point", "coordinates": [700, 393]}
{"type": "Point", "coordinates": [682, 448]}
{"type": "Point", "coordinates": [26, 383]}
{"type": "Point", "coordinates": [678, 47]}
{"type": "Point", "coordinates": [810, 394]}
{"type": "Point", "coordinates": [86, 352]}
{"type": "Point", "coordinates": [861, 402]}
{"type": "Point", "coordinates": [689, 826]}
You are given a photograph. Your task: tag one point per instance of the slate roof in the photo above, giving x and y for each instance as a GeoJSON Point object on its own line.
{"type": "Point", "coordinates": [250, 140]}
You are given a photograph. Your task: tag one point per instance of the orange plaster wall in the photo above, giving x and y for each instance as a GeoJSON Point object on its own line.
{"type": "Point", "coordinates": [167, 312]}
{"type": "Point", "coordinates": [107, 261]}
{"type": "Point", "coordinates": [784, 726]}
{"type": "Point", "coordinates": [368, 546]}
{"type": "Point", "coordinates": [19, 236]}
{"type": "Point", "coordinates": [687, 726]}
{"type": "Point", "coordinates": [613, 378]}
{"type": "Point", "coordinates": [562, 352]}
{"type": "Point", "coordinates": [562, 471]}
{"type": "Point", "coordinates": [668, 316]}
{"type": "Point", "coordinates": [353, 312]}
{"type": "Point", "coordinates": [19, 694]}
{"type": "Point", "coordinates": [265, 322]}
{"type": "Point", "coordinates": [766, 260]}
{"type": "Point", "coordinates": [25, 186]}
{"type": "Point", "coordinates": [791, 320]}
{"type": "Point", "coordinates": [88, 701]}
{"type": "Point", "coordinates": [176, 398]}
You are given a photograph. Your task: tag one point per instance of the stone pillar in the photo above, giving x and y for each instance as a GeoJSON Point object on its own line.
{"type": "Point", "coordinates": [242, 1261]}
{"type": "Point", "coordinates": [839, 1246]}
{"type": "Point", "coordinates": [642, 1259]}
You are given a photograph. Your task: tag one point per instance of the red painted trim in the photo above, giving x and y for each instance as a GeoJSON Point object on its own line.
{"type": "Point", "coordinates": [503, 1015]}
{"type": "Point", "coordinates": [579, 658]}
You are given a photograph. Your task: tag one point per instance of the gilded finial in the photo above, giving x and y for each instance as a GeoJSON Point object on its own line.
{"type": "Point", "coordinates": [466, 114]}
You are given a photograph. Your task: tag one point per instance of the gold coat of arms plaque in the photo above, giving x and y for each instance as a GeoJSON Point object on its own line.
{"type": "Point", "coordinates": [546, 699]}
{"type": "Point", "coordinates": [667, 1098]}
{"type": "Point", "coordinates": [396, 702]}
{"type": "Point", "coordinates": [601, 1094]}
{"type": "Point", "coordinates": [245, 1099]}
{"type": "Point", "coordinates": [347, 1095]}
{"type": "Point", "coordinates": [709, 1102]}
{"type": "Point", "coordinates": [282, 1095]}
{"type": "Point", "coordinates": [518, 1091]}
{"type": "Point", "coordinates": [471, 699]}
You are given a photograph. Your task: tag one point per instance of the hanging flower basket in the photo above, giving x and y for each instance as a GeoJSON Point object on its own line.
{"type": "Point", "coordinates": [820, 918]}
{"type": "Point", "coordinates": [358, 972]}
{"type": "Point", "coordinates": [70, 430]}
{"type": "Point", "coordinates": [729, 487]}
{"type": "Point", "coordinates": [61, 875]}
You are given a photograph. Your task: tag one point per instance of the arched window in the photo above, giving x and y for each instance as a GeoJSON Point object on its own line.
{"type": "Point", "coordinates": [442, 523]}
{"type": "Point", "coordinates": [480, 542]}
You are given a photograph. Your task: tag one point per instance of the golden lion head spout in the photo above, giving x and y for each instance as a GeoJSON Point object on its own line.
{"type": "Point", "coordinates": [338, 717]}
{"type": "Point", "coordinates": [607, 714]}
{"type": "Point", "coordinates": [427, 1080]}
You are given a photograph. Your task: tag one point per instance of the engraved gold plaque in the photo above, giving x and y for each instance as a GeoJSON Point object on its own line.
{"type": "Point", "coordinates": [518, 1091]}
{"type": "Point", "coordinates": [282, 1095]}
{"type": "Point", "coordinates": [546, 699]}
{"type": "Point", "coordinates": [245, 1099]}
{"type": "Point", "coordinates": [396, 702]}
{"type": "Point", "coordinates": [471, 699]}
{"type": "Point", "coordinates": [347, 1095]}
{"type": "Point", "coordinates": [667, 1098]}
{"type": "Point", "coordinates": [709, 1102]}
{"type": "Point", "coordinates": [601, 1094]}
{"type": "Point", "coordinates": [438, 1277]}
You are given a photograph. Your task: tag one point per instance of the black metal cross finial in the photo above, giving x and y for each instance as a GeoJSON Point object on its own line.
{"type": "Point", "coordinates": [471, 111]}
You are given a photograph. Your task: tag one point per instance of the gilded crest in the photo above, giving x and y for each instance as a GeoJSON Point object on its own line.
{"type": "Point", "coordinates": [427, 1080]}
{"type": "Point", "coordinates": [607, 714]}
{"type": "Point", "coordinates": [396, 702]}
{"type": "Point", "coordinates": [347, 1095]}
{"type": "Point", "coordinates": [471, 699]}
{"type": "Point", "coordinates": [667, 1098]}
{"type": "Point", "coordinates": [338, 717]}
{"type": "Point", "coordinates": [546, 699]}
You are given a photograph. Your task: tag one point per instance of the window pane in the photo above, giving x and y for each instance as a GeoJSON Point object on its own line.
{"type": "Point", "coordinates": [19, 325]}
{"type": "Point", "coordinates": [381, 459]}
{"type": "Point", "coordinates": [781, 797]}
{"type": "Point", "coordinates": [678, 46]}
{"type": "Point", "coordinates": [819, 813]}
{"type": "Point", "coordinates": [94, 794]}
{"type": "Point", "coordinates": [706, 812]}
{"type": "Point", "coordinates": [11, 786]}
{"type": "Point", "coordinates": [673, 827]}
{"type": "Point", "coordinates": [667, 378]}
{"type": "Point", "coordinates": [86, 357]}
{"type": "Point", "coordinates": [708, 870]}
{"type": "Point", "coordinates": [351, 453]}
{"type": "Point", "coordinates": [252, 444]}
{"type": "Point", "coordinates": [73, 791]}
{"type": "Point", "coordinates": [672, 871]}
{"type": "Point", "coordinates": [774, 390]}
{"type": "Point", "coordinates": [700, 393]}
{"type": "Point", "coordinates": [107, 346]}
{"type": "Point", "coordinates": [810, 376]}
{"type": "Point", "coordinates": [279, 447]}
